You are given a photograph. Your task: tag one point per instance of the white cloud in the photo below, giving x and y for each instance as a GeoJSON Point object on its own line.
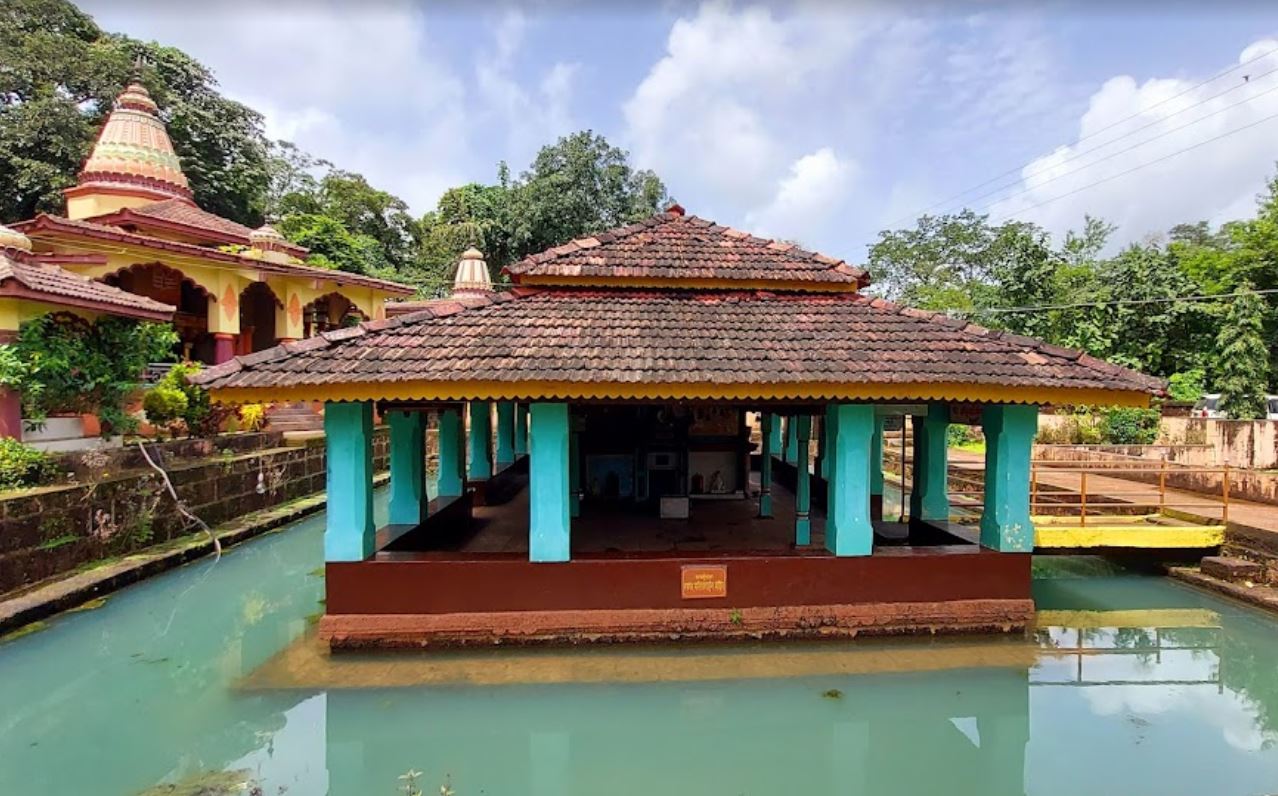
{"type": "Point", "coordinates": [529, 117]}
{"type": "Point", "coordinates": [806, 198]}
{"type": "Point", "coordinates": [1215, 181]}
{"type": "Point", "coordinates": [720, 107]}
{"type": "Point", "coordinates": [360, 89]}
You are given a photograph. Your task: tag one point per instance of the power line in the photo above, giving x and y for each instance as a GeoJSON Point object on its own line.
{"type": "Point", "coordinates": [1127, 149]}
{"type": "Point", "coordinates": [1138, 168]}
{"type": "Point", "coordinates": [1160, 103]}
{"type": "Point", "coordinates": [1115, 303]}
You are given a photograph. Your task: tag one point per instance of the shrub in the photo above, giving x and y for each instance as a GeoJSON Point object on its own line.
{"type": "Point", "coordinates": [63, 363]}
{"type": "Point", "coordinates": [165, 405]}
{"type": "Point", "coordinates": [203, 418]}
{"type": "Point", "coordinates": [1129, 426]}
{"type": "Point", "coordinates": [252, 417]}
{"type": "Point", "coordinates": [23, 465]}
{"type": "Point", "coordinates": [1187, 385]}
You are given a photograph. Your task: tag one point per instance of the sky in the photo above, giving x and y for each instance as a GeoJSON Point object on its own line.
{"type": "Point", "coordinates": [817, 122]}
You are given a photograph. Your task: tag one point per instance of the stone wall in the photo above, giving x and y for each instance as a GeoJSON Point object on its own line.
{"type": "Point", "coordinates": [117, 507]}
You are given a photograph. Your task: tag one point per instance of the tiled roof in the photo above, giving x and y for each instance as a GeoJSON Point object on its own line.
{"type": "Point", "coordinates": [44, 224]}
{"type": "Point", "coordinates": [23, 277]}
{"type": "Point", "coordinates": [674, 246]}
{"type": "Point", "coordinates": [184, 213]}
{"type": "Point", "coordinates": [673, 337]}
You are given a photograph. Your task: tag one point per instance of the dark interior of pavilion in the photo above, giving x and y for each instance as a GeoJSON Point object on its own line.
{"type": "Point", "coordinates": [679, 478]}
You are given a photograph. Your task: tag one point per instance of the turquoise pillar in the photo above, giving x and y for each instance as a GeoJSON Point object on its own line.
{"type": "Point", "coordinates": [1009, 439]}
{"type": "Point", "coordinates": [777, 442]}
{"type": "Point", "coordinates": [505, 433]}
{"type": "Point", "coordinates": [929, 490]}
{"type": "Point", "coordinates": [452, 454]}
{"type": "Point", "coordinates": [847, 525]}
{"type": "Point", "coordinates": [409, 503]}
{"type": "Point", "coordinates": [803, 485]}
{"type": "Point", "coordinates": [876, 459]}
{"type": "Point", "coordinates": [348, 434]}
{"type": "Point", "coordinates": [791, 440]}
{"type": "Point", "coordinates": [821, 468]}
{"type": "Point", "coordinates": [574, 468]}
{"type": "Point", "coordinates": [521, 430]}
{"type": "Point", "coordinates": [481, 441]}
{"type": "Point", "coordinates": [548, 522]}
{"type": "Point", "coordinates": [767, 427]}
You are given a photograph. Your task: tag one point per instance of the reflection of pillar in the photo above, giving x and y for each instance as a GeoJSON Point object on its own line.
{"type": "Point", "coordinates": [481, 441]}
{"type": "Point", "coordinates": [505, 433]}
{"type": "Point", "coordinates": [348, 432]}
{"type": "Point", "coordinates": [1004, 729]}
{"type": "Point", "coordinates": [849, 756]}
{"type": "Point", "coordinates": [847, 527]}
{"type": "Point", "coordinates": [548, 467]}
{"type": "Point", "coordinates": [803, 478]}
{"type": "Point", "coordinates": [929, 490]}
{"type": "Point", "coordinates": [549, 763]}
{"type": "Point", "coordinates": [10, 400]}
{"type": "Point", "coordinates": [766, 422]}
{"type": "Point", "coordinates": [452, 453]}
{"type": "Point", "coordinates": [408, 501]}
{"type": "Point", "coordinates": [1009, 436]}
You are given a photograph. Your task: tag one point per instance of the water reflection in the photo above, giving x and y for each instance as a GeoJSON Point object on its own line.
{"type": "Point", "coordinates": [1128, 685]}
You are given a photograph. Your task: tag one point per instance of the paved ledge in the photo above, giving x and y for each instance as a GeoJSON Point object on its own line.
{"type": "Point", "coordinates": [43, 600]}
{"type": "Point", "coordinates": [1265, 597]}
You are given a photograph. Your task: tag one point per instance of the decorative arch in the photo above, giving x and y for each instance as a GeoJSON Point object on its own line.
{"type": "Point", "coordinates": [330, 311]}
{"type": "Point", "coordinates": [258, 303]}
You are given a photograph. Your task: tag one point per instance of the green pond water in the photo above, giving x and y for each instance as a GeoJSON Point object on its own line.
{"type": "Point", "coordinates": [146, 690]}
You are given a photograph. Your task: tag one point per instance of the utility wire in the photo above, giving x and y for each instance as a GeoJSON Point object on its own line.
{"type": "Point", "coordinates": [1125, 119]}
{"type": "Point", "coordinates": [1117, 302]}
{"type": "Point", "coordinates": [1124, 173]}
{"type": "Point", "coordinates": [1125, 150]}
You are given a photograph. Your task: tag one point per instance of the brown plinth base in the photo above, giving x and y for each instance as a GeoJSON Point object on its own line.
{"type": "Point", "coordinates": [354, 631]}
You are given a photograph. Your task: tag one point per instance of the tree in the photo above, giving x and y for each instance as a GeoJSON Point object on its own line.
{"type": "Point", "coordinates": [579, 185]}
{"type": "Point", "coordinates": [1242, 358]}
{"type": "Point", "coordinates": [59, 77]}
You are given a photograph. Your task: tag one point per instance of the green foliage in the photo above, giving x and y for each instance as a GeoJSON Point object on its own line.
{"type": "Point", "coordinates": [164, 405]}
{"type": "Point", "coordinates": [201, 416]}
{"type": "Point", "coordinates": [1188, 385]}
{"type": "Point", "coordinates": [74, 366]}
{"type": "Point", "coordinates": [959, 434]}
{"type": "Point", "coordinates": [60, 75]}
{"type": "Point", "coordinates": [1121, 425]}
{"type": "Point", "coordinates": [22, 465]}
{"type": "Point", "coordinates": [1242, 358]}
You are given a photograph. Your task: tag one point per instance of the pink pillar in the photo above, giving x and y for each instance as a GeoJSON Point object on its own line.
{"type": "Point", "coordinates": [10, 400]}
{"type": "Point", "coordinates": [223, 347]}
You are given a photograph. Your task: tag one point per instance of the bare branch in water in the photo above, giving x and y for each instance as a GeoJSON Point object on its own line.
{"type": "Point", "coordinates": [181, 507]}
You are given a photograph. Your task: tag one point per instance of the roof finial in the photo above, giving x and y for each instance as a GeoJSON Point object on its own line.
{"type": "Point", "coordinates": [675, 209]}
{"type": "Point", "coordinates": [13, 239]}
{"type": "Point", "coordinates": [472, 274]}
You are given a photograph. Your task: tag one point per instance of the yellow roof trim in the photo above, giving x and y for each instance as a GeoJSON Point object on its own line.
{"type": "Point", "coordinates": [438, 391]}
{"type": "Point", "coordinates": [694, 283]}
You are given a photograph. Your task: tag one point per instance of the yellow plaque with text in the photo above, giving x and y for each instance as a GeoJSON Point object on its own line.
{"type": "Point", "coordinates": [699, 582]}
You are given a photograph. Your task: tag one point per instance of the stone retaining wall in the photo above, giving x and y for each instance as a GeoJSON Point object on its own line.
{"type": "Point", "coordinates": [51, 530]}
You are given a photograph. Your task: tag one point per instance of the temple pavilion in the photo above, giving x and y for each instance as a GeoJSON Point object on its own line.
{"type": "Point", "coordinates": [621, 494]}
{"type": "Point", "coordinates": [132, 222]}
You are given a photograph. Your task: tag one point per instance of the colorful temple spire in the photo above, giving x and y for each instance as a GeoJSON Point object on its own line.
{"type": "Point", "coordinates": [132, 161]}
{"type": "Point", "coordinates": [472, 274]}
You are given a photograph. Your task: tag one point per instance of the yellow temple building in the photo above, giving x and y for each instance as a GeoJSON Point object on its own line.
{"type": "Point", "coordinates": [131, 222]}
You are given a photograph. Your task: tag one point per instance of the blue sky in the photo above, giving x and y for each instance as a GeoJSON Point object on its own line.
{"type": "Point", "coordinates": [818, 122]}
